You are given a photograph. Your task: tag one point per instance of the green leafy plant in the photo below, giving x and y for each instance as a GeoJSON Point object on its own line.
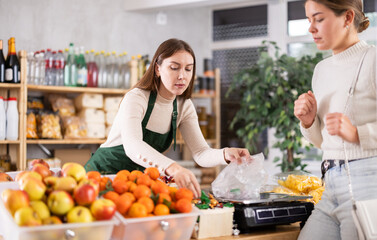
{"type": "Point", "coordinates": [268, 91]}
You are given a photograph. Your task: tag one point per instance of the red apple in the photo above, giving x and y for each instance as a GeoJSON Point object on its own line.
{"type": "Point", "coordinates": [84, 194]}
{"type": "Point", "coordinates": [74, 170]}
{"type": "Point", "coordinates": [5, 177]}
{"type": "Point", "coordinates": [35, 188]}
{"type": "Point", "coordinates": [103, 209]}
{"type": "Point", "coordinates": [92, 182]}
{"type": "Point", "coordinates": [42, 170]}
{"type": "Point", "coordinates": [60, 202]}
{"type": "Point", "coordinates": [15, 199]}
{"type": "Point", "coordinates": [38, 161]}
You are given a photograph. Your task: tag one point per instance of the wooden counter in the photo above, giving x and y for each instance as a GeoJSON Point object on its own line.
{"type": "Point", "coordinates": [283, 232]}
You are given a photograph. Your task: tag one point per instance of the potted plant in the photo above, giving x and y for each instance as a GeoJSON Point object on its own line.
{"type": "Point", "coordinates": [268, 91]}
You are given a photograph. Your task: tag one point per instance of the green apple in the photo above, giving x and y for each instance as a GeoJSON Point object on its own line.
{"type": "Point", "coordinates": [60, 202]}
{"type": "Point", "coordinates": [41, 209]}
{"type": "Point", "coordinates": [79, 214]}
{"type": "Point", "coordinates": [26, 216]}
{"type": "Point", "coordinates": [103, 209]}
{"type": "Point", "coordinates": [52, 220]}
{"type": "Point", "coordinates": [65, 183]}
{"type": "Point", "coordinates": [15, 199]}
{"type": "Point", "coordinates": [74, 170]}
{"type": "Point", "coordinates": [35, 188]}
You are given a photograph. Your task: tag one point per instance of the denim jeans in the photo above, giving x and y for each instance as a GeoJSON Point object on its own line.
{"type": "Point", "coordinates": [331, 217]}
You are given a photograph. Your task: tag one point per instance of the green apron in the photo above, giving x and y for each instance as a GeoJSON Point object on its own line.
{"type": "Point", "coordinates": [110, 160]}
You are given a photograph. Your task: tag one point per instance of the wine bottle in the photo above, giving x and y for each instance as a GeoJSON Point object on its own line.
{"type": "Point", "coordinates": [12, 65]}
{"type": "Point", "coordinates": [2, 63]}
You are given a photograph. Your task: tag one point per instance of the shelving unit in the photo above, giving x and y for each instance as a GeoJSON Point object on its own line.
{"type": "Point", "coordinates": [17, 149]}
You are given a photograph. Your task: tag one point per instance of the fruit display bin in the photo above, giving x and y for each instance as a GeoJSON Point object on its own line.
{"type": "Point", "coordinates": [169, 227]}
{"type": "Point", "coordinates": [100, 230]}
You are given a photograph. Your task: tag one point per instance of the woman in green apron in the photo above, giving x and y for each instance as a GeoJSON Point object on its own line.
{"type": "Point", "coordinates": [148, 117]}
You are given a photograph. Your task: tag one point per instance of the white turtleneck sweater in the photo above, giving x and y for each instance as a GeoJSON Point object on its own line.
{"type": "Point", "coordinates": [127, 130]}
{"type": "Point", "coordinates": [331, 82]}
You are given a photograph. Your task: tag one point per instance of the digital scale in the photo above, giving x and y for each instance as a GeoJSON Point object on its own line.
{"type": "Point", "coordinates": [271, 209]}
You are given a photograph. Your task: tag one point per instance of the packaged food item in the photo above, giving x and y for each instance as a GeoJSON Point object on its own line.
{"type": "Point", "coordinates": [49, 126]}
{"type": "Point", "coordinates": [112, 103]}
{"type": "Point", "coordinates": [89, 100]}
{"type": "Point", "coordinates": [74, 127]}
{"type": "Point", "coordinates": [31, 125]}
{"type": "Point", "coordinates": [62, 105]}
{"type": "Point", "coordinates": [35, 102]}
{"type": "Point", "coordinates": [96, 130]}
{"type": "Point", "coordinates": [92, 115]}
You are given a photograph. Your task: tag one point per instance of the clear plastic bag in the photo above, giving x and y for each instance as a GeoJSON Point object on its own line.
{"type": "Point", "coordinates": [241, 181]}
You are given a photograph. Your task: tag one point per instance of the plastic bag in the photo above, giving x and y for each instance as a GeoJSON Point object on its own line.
{"type": "Point", "coordinates": [241, 181]}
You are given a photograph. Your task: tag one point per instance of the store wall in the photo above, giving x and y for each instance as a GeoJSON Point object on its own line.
{"type": "Point", "coordinates": [101, 25]}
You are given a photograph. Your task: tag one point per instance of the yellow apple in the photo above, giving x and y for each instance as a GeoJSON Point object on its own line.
{"type": "Point", "coordinates": [23, 176]}
{"type": "Point", "coordinates": [60, 202]}
{"type": "Point", "coordinates": [26, 216]}
{"type": "Point", "coordinates": [79, 214]}
{"type": "Point", "coordinates": [41, 209]}
{"type": "Point", "coordinates": [65, 183]}
{"type": "Point", "coordinates": [52, 220]}
{"type": "Point", "coordinates": [35, 188]}
{"type": "Point", "coordinates": [74, 170]}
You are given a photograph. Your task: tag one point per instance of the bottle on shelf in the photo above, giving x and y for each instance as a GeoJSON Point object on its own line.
{"type": "Point", "coordinates": [2, 119]}
{"type": "Point", "coordinates": [102, 72]}
{"type": "Point", "coordinates": [2, 63]}
{"type": "Point", "coordinates": [12, 65]}
{"type": "Point", "coordinates": [125, 73]}
{"type": "Point", "coordinates": [82, 71]}
{"type": "Point", "coordinates": [12, 120]}
{"type": "Point", "coordinates": [49, 68]}
{"type": "Point", "coordinates": [70, 68]}
{"type": "Point", "coordinates": [40, 65]}
{"type": "Point", "coordinates": [92, 70]}
{"type": "Point", "coordinates": [140, 67]}
{"type": "Point", "coordinates": [30, 76]}
{"type": "Point", "coordinates": [59, 62]}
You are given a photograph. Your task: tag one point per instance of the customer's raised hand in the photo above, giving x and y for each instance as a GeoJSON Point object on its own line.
{"type": "Point", "coordinates": [339, 124]}
{"type": "Point", "coordinates": [305, 109]}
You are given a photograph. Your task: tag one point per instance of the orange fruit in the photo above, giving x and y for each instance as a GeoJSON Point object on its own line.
{"type": "Point", "coordinates": [147, 202]}
{"type": "Point", "coordinates": [111, 195]}
{"type": "Point", "coordinates": [130, 195]}
{"type": "Point", "coordinates": [104, 181]}
{"type": "Point", "coordinates": [120, 186]}
{"type": "Point", "coordinates": [161, 209]}
{"type": "Point", "coordinates": [142, 191]}
{"type": "Point", "coordinates": [137, 210]}
{"type": "Point", "coordinates": [152, 172]}
{"type": "Point", "coordinates": [134, 175]}
{"type": "Point", "coordinates": [172, 191]}
{"type": "Point", "coordinates": [163, 196]}
{"type": "Point", "coordinates": [159, 187]}
{"type": "Point", "coordinates": [122, 174]}
{"type": "Point", "coordinates": [183, 205]}
{"type": "Point", "coordinates": [94, 175]}
{"type": "Point", "coordinates": [144, 179]}
{"type": "Point", "coordinates": [123, 204]}
{"type": "Point", "coordinates": [184, 193]}
{"type": "Point", "coordinates": [131, 186]}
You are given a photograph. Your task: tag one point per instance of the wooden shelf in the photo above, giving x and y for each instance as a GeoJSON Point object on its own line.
{"type": "Point", "coordinates": [9, 142]}
{"type": "Point", "coordinates": [201, 95]}
{"type": "Point", "coordinates": [64, 89]}
{"type": "Point", "coordinates": [10, 85]}
{"type": "Point", "coordinates": [66, 141]}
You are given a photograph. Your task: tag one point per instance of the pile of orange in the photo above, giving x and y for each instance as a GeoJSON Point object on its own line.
{"type": "Point", "coordinates": [142, 194]}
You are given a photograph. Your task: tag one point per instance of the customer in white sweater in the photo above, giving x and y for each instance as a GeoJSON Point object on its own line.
{"type": "Point", "coordinates": [149, 115]}
{"type": "Point", "coordinates": [327, 123]}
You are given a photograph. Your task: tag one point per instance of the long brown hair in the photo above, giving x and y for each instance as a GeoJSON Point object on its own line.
{"type": "Point", "coordinates": [150, 81]}
{"type": "Point", "coordinates": [340, 6]}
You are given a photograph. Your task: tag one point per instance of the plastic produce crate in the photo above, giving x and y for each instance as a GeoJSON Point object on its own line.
{"type": "Point", "coordinates": [169, 227]}
{"type": "Point", "coordinates": [9, 230]}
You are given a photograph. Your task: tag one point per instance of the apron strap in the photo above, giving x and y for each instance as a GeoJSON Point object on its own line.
{"type": "Point", "coordinates": [174, 121]}
{"type": "Point", "coordinates": [151, 101]}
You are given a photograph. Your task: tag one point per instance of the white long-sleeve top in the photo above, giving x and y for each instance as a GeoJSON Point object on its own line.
{"type": "Point", "coordinates": [331, 82]}
{"type": "Point", "coordinates": [127, 130]}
